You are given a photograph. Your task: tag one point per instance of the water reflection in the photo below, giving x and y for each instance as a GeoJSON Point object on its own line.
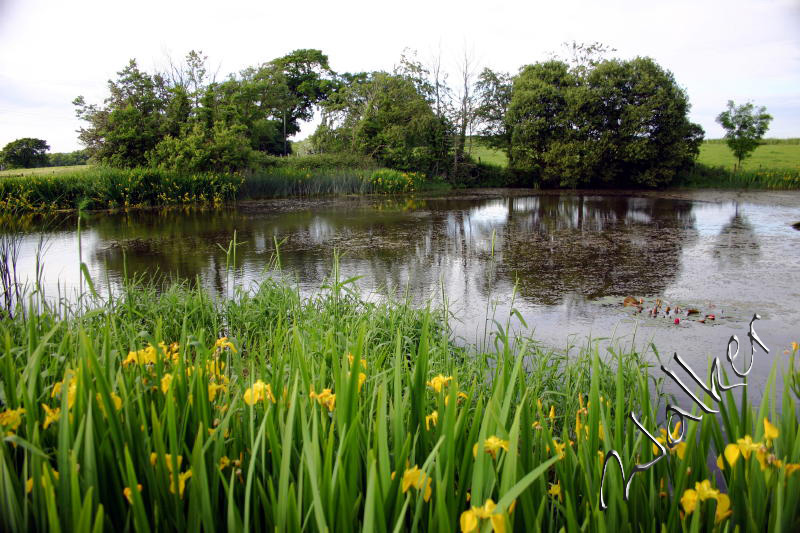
{"type": "Point", "coordinates": [737, 243]}
{"type": "Point", "coordinates": [571, 257]}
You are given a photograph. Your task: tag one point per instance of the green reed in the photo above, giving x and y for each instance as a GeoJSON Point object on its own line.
{"type": "Point", "coordinates": [327, 412]}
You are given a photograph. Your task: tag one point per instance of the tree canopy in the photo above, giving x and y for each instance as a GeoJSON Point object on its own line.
{"type": "Point", "coordinates": [385, 116]}
{"type": "Point", "coordinates": [609, 122]}
{"type": "Point", "coordinates": [587, 121]}
{"type": "Point", "coordinates": [745, 126]}
{"type": "Point", "coordinates": [184, 119]}
{"type": "Point", "coordinates": [25, 153]}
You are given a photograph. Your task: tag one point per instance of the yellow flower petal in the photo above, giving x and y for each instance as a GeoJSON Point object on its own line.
{"type": "Point", "coordinates": [468, 521]}
{"type": "Point", "coordinates": [723, 508]}
{"type": "Point", "coordinates": [689, 501]}
{"type": "Point", "coordinates": [732, 452]}
{"type": "Point", "coordinates": [770, 431]}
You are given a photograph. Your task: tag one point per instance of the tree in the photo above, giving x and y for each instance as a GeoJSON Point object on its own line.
{"type": "Point", "coordinates": [494, 96]}
{"type": "Point", "coordinates": [745, 125]}
{"type": "Point", "coordinates": [132, 121]}
{"type": "Point", "coordinates": [25, 153]}
{"type": "Point", "coordinates": [603, 123]}
{"type": "Point", "coordinates": [383, 116]}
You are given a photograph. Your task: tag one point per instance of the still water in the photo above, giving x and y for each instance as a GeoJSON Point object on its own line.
{"type": "Point", "coordinates": [564, 261]}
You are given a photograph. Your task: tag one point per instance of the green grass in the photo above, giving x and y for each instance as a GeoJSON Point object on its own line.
{"type": "Point", "coordinates": [765, 157]}
{"type": "Point", "coordinates": [484, 154]}
{"type": "Point", "coordinates": [775, 154]}
{"type": "Point", "coordinates": [240, 410]}
{"type": "Point", "coordinates": [42, 171]}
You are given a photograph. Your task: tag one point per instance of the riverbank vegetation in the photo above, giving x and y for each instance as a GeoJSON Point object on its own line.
{"type": "Point", "coordinates": [586, 121]}
{"type": "Point", "coordinates": [408, 119]}
{"type": "Point", "coordinates": [161, 408]}
{"type": "Point", "coordinates": [120, 188]}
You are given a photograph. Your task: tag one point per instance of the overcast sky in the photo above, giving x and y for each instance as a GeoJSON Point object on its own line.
{"type": "Point", "coordinates": [52, 51]}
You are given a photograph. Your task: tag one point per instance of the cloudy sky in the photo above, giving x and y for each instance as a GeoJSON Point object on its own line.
{"type": "Point", "coordinates": [52, 51]}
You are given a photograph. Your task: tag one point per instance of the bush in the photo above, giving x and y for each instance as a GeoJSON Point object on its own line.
{"type": "Point", "coordinates": [394, 181]}
{"type": "Point", "coordinates": [618, 123]}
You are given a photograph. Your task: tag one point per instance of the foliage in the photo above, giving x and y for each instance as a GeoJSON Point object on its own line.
{"type": "Point", "coordinates": [183, 117]}
{"type": "Point", "coordinates": [744, 125]}
{"type": "Point", "coordinates": [122, 132]}
{"type": "Point", "coordinates": [223, 149]}
{"type": "Point", "coordinates": [323, 161]}
{"type": "Point", "coordinates": [24, 153]}
{"type": "Point", "coordinates": [393, 181]}
{"type": "Point", "coordinates": [494, 93]}
{"type": "Point", "coordinates": [383, 116]}
{"type": "Point", "coordinates": [610, 123]}
{"type": "Point", "coordinates": [67, 159]}
{"type": "Point", "coordinates": [282, 181]}
{"type": "Point", "coordinates": [329, 413]}
{"type": "Point", "coordinates": [705, 176]}
{"type": "Point", "coordinates": [104, 187]}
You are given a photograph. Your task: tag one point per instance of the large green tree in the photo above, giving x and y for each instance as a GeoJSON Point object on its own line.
{"type": "Point", "coordinates": [606, 123]}
{"type": "Point", "coordinates": [745, 126]}
{"type": "Point", "coordinates": [384, 116]}
{"type": "Point", "coordinates": [131, 122]}
{"type": "Point", "coordinates": [25, 153]}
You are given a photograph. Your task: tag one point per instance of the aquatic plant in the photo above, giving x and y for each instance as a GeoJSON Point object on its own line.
{"type": "Point", "coordinates": [166, 409]}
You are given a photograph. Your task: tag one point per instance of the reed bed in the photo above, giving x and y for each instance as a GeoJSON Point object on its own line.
{"type": "Point", "coordinates": [704, 177]}
{"type": "Point", "coordinates": [165, 409]}
{"type": "Point", "coordinates": [111, 188]}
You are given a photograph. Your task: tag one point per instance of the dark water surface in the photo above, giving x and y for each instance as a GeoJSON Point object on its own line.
{"type": "Point", "coordinates": [573, 257]}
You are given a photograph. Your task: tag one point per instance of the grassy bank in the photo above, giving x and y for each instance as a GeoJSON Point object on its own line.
{"type": "Point", "coordinates": [772, 155]}
{"type": "Point", "coordinates": [168, 410]}
{"type": "Point", "coordinates": [774, 165]}
{"type": "Point", "coordinates": [43, 171]}
{"type": "Point", "coordinates": [109, 188]}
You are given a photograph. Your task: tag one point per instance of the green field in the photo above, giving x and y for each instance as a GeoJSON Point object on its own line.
{"type": "Point", "coordinates": [777, 154]}
{"type": "Point", "coordinates": [484, 154]}
{"type": "Point", "coordinates": [766, 156]}
{"type": "Point", "coordinates": [41, 171]}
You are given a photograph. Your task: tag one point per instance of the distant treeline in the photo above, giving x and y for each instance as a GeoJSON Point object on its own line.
{"type": "Point", "coordinates": [585, 120]}
{"type": "Point", "coordinates": [67, 159]}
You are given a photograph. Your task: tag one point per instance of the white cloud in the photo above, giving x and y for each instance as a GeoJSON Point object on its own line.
{"type": "Point", "coordinates": [51, 51]}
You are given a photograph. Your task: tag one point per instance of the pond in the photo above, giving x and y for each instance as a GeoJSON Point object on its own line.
{"type": "Point", "coordinates": [566, 261]}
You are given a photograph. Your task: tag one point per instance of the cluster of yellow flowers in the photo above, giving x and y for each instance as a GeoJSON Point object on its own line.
{"type": "Point", "coordinates": [679, 448]}
{"type": "Point", "coordinates": [182, 476]}
{"type": "Point", "coordinates": [470, 519]}
{"type": "Point", "coordinates": [702, 491]}
{"type": "Point", "coordinates": [10, 419]}
{"type": "Point", "coordinates": [327, 398]}
{"type": "Point", "coordinates": [581, 429]}
{"type": "Point", "coordinates": [438, 384]}
{"type": "Point", "coordinates": [491, 445]}
{"type": "Point", "coordinates": [29, 483]}
{"type": "Point", "coordinates": [149, 355]}
{"type": "Point", "coordinates": [218, 381]}
{"type": "Point", "coordinates": [414, 477]}
{"type": "Point", "coordinates": [745, 447]}
{"type": "Point", "coordinates": [259, 392]}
